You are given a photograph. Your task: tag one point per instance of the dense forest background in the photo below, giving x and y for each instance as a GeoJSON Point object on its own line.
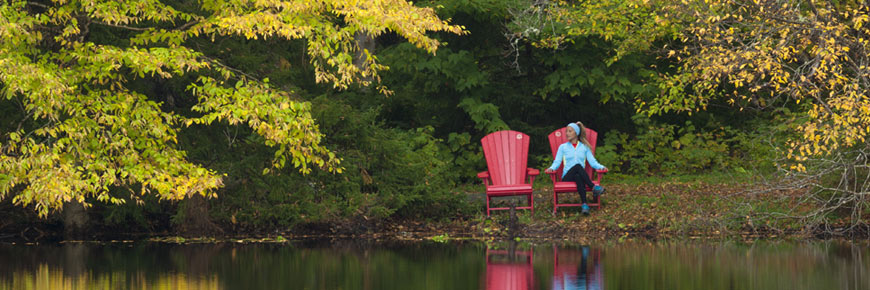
{"type": "Point", "coordinates": [413, 152]}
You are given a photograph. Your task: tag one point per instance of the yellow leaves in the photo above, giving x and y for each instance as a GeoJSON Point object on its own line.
{"type": "Point", "coordinates": [287, 125]}
{"type": "Point", "coordinates": [332, 45]}
{"type": "Point", "coordinates": [840, 122]}
{"type": "Point", "coordinates": [800, 56]}
{"type": "Point", "coordinates": [798, 167]}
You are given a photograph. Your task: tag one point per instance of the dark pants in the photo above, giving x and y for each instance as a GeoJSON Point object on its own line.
{"type": "Point", "coordinates": [578, 174]}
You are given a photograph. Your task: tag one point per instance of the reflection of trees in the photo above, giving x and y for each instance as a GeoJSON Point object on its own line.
{"type": "Point", "coordinates": [408, 266]}
{"type": "Point", "coordinates": [760, 265]}
{"type": "Point", "coordinates": [197, 259]}
{"type": "Point", "coordinates": [234, 266]}
{"type": "Point", "coordinates": [56, 278]}
{"type": "Point", "coordinates": [75, 257]}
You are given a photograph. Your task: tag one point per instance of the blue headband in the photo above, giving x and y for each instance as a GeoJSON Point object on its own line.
{"type": "Point", "coordinates": [575, 127]}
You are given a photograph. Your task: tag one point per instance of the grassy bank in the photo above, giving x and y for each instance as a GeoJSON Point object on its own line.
{"type": "Point", "coordinates": [710, 205]}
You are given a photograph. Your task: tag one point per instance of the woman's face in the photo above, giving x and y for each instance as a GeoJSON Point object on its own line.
{"type": "Point", "coordinates": [570, 134]}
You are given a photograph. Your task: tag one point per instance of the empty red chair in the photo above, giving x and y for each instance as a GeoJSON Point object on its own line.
{"type": "Point", "coordinates": [506, 155]}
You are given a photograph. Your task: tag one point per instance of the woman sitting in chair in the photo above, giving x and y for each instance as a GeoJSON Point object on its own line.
{"type": "Point", "coordinates": [574, 155]}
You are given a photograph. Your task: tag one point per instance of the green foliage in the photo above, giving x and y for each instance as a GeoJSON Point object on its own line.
{"type": "Point", "coordinates": [94, 131]}
{"type": "Point", "coordinates": [449, 79]}
{"type": "Point", "coordinates": [583, 67]}
{"type": "Point", "coordinates": [666, 149]}
{"type": "Point", "coordinates": [181, 98]}
{"type": "Point", "coordinates": [147, 214]}
{"type": "Point", "coordinates": [389, 172]}
{"type": "Point", "coordinates": [467, 156]}
{"type": "Point", "coordinates": [485, 115]}
{"type": "Point", "coordinates": [442, 238]}
{"type": "Point", "coordinates": [406, 172]}
{"type": "Point", "coordinates": [484, 10]}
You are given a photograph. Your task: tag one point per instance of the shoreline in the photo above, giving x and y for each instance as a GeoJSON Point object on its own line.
{"type": "Point", "coordinates": [449, 233]}
{"type": "Point", "coordinates": [665, 210]}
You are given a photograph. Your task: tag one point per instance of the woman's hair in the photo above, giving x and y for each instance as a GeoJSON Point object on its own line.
{"type": "Point", "coordinates": [582, 135]}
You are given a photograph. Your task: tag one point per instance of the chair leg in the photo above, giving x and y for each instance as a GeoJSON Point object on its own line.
{"type": "Point", "coordinates": [487, 205]}
{"type": "Point", "coordinates": [532, 203]}
{"type": "Point", "coordinates": [555, 201]}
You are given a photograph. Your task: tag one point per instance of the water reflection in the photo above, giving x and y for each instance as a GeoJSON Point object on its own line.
{"type": "Point", "coordinates": [509, 269]}
{"type": "Point", "coordinates": [46, 277]}
{"type": "Point", "coordinates": [84, 266]}
{"type": "Point", "coordinates": [460, 265]}
{"type": "Point", "coordinates": [329, 265]}
{"type": "Point", "coordinates": [736, 265]}
{"type": "Point", "coordinates": [577, 269]}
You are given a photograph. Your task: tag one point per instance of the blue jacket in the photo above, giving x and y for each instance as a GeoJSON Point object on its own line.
{"type": "Point", "coordinates": [571, 156]}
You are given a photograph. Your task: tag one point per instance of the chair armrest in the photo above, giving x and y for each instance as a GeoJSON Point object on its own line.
{"type": "Point", "coordinates": [484, 176]}
{"type": "Point", "coordinates": [531, 173]}
{"type": "Point", "coordinates": [599, 173]}
{"type": "Point", "coordinates": [552, 176]}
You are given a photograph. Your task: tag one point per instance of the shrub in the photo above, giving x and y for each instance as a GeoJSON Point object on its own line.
{"type": "Point", "coordinates": [667, 149]}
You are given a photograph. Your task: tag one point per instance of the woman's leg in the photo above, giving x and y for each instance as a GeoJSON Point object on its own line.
{"type": "Point", "coordinates": [578, 175]}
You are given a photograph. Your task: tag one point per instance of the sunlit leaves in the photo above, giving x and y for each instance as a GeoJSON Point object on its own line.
{"type": "Point", "coordinates": [284, 122]}
{"type": "Point", "coordinates": [807, 54]}
{"type": "Point", "coordinates": [131, 12]}
{"type": "Point", "coordinates": [762, 53]}
{"type": "Point", "coordinates": [331, 45]}
{"type": "Point", "coordinates": [89, 132]}
{"type": "Point", "coordinates": [117, 139]}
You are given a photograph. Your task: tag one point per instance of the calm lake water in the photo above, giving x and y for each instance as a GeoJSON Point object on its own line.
{"type": "Point", "coordinates": [429, 265]}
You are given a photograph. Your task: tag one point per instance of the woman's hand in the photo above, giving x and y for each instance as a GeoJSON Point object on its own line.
{"type": "Point", "coordinates": [548, 171]}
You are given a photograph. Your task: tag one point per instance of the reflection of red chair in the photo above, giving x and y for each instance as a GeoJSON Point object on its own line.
{"type": "Point", "coordinates": [571, 269]}
{"type": "Point", "coordinates": [505, 273]}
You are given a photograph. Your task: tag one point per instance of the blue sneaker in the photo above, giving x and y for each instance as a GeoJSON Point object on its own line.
{"type": "Point", "coordinates": [585, 209]}
{"type": "Point", "coordinates": [597, 191]}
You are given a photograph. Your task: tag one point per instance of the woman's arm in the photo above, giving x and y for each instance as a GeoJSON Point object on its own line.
{"type": "Point", "coordinates": [558, 160]}
{"type": "Point", "coordinates": [594, 163]}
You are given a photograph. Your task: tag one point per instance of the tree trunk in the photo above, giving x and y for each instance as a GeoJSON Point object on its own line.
{"type": "Point", "coordinates": [75, 221]}
{"type": "Point", "coordinates": [196, 221]}
{"type": "Point", "coordinates": [364, 41]}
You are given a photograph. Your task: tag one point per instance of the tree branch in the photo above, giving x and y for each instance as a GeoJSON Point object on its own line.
{"type": "Point", "coordinates": [121, 26]}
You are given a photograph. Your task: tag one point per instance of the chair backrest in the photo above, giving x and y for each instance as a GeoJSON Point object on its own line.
{"type": "Point", "coordinates": [557, 138]}
{"type": "Point", "coordinates": [506, 155]}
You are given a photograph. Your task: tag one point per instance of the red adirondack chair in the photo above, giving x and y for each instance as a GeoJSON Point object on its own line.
{"type": "Point", "coordinates": [558, 138]}
{"type": "Point", "coordinates": [506, 155]}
